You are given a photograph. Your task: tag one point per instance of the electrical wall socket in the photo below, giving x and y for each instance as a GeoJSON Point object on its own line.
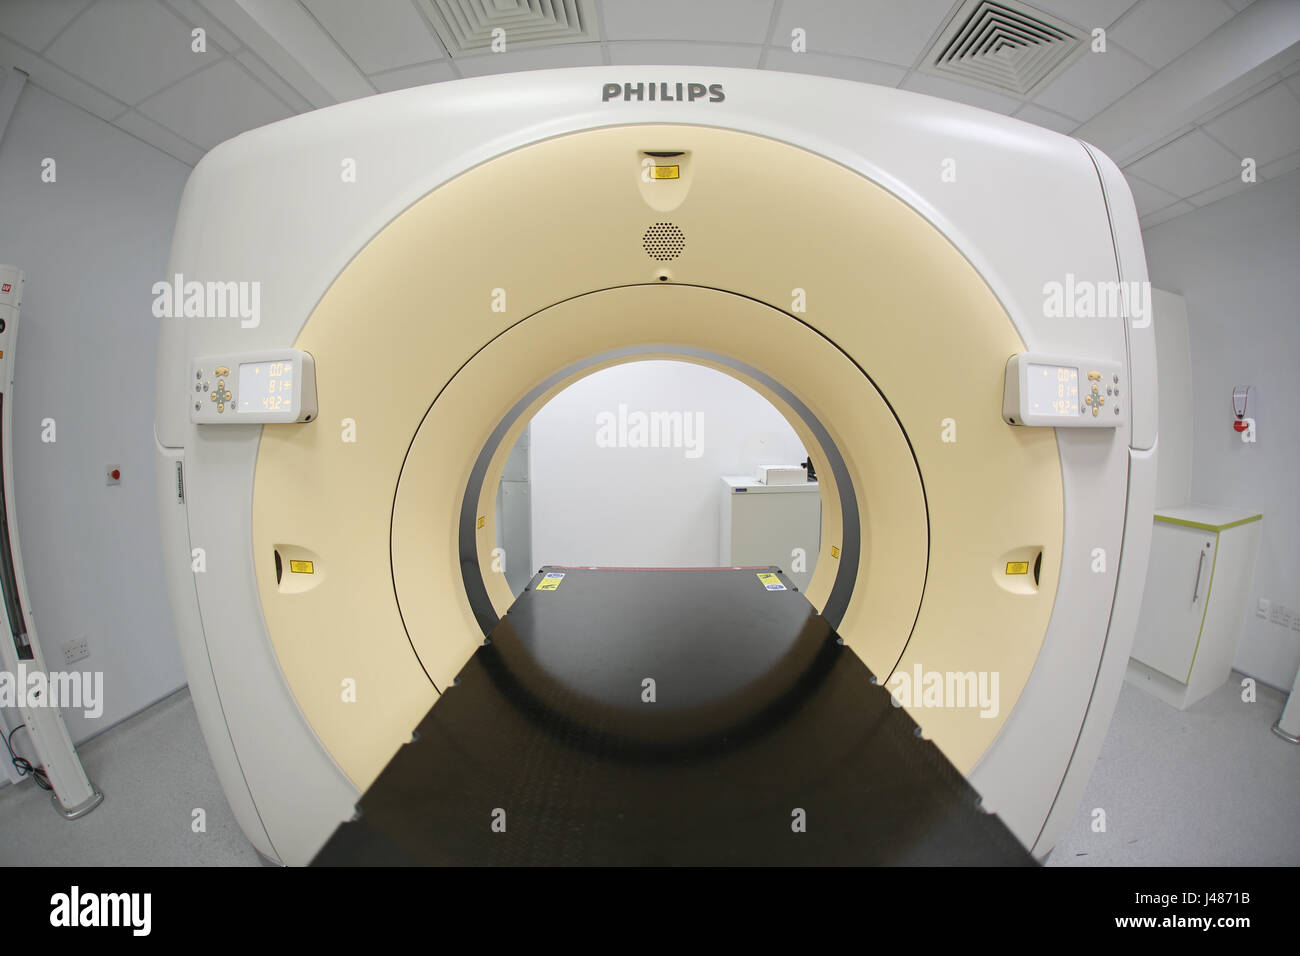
{"type": "Point", "coordinates": [75, 650]}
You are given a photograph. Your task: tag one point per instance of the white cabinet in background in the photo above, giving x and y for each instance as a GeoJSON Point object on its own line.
{"type": "Point", "coordinates": [762, 525]}
{"type": "Point", "coordinates": [1198, 581]}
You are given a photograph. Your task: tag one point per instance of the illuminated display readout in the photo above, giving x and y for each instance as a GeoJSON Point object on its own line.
{"type": "Point", "coordinates": [1052, 390]}
{"type": "Point", "coordinates": [265, 386]}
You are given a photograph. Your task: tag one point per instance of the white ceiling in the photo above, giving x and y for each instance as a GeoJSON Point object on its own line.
{"type": "Point", "coordinates": [1185, 90]}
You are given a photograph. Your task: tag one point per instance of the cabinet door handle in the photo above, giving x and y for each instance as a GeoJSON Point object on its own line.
{"type": "Point", "coordinates": [1196, 588]}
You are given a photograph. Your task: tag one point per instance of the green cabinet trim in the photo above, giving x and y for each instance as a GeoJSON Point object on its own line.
{"type": "Point", "coordinates": [1206, 526]}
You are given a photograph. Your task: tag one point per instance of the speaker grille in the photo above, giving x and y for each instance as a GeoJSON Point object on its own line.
{"type": "Point", "coordinates": [663, 241]}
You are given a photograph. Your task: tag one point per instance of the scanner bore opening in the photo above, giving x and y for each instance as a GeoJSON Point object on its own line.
{"type": "Point", "coordinates": [824, 450]}
{"type": "Point", "coordinates": [599, 475]}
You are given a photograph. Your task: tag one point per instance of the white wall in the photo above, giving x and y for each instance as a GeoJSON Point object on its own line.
{"type": "Point", "coordinates": [647, 507]}
{"type": "Point", "coordinates": [91, 243]}
{"type": "Point", "coordinates": [1237, 263]}
{"type": "Point", "coordinates": [1174, 384]}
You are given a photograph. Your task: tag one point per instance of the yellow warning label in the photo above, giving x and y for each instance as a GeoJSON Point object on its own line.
{"type": "Point", "coordinates": [835, 552]}
{"type": "Point", "coordinates": [1017, 567]}
{"type": "Point", "coordinates": [551, 581]}
{"type": "Point", "coordinates": [302, 567]}
{"type": "Point", "coordinates": [665, 172]}
{"type": "Point", "coordinates": [770, 581]}
{"type": "Point", "coordinates": [482, 521]}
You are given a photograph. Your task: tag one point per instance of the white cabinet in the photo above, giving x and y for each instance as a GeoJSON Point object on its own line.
{"type": "Point", "coordinates": [1194, 607]}
{"type": "Point", "coordinates": [765, 525]}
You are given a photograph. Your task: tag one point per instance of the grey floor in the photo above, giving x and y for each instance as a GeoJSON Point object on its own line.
{"type": "Point", "coordinates": [1210, 785]}
{"type": "Point", "coordinates": [1207, 786]}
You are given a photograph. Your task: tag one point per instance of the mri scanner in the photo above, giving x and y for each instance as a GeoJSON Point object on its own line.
{"type": "Point", "coordinates": [366, 304]}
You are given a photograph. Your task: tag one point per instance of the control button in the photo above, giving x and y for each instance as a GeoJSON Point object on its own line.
{"type": "Point", "coordinates": [1116, 389]}
{"type": "Point", "coordinates": [205, 386]}
{"type": "Point", "coordinates": [199, 374]}
{"type": "Point", "coordinates": [198, 406]}
{"type": "Point", "coordinates": [227, 396]}
{"type": "Point", "coordinates": [198, 386]}
{"type": "Point", "coordinates": [221, 407]}
{"type": "Point", "coordinates": [222, 370]}
{"type": "Point", "coordinates": [214, 396]}
{"type": "Point", "coordinates": [1116, 409]}
{"type": "Point", "coordinates": [1087, 399]}
{"type": "Point", "coordinates": [2, 325]}
{"type": "Point", "coordinates": [1095, 410]}
{"type": "Point", "coordinates": [1116, 378]}
{"type": "Point", "coordinates": [221, 382]}
{"type": "Point", "coordinates": [1109, 390]}
{"type": "Point", "coordinates": [1094, 376]}
{"type": "Point", "coordinates": [1101, 399]}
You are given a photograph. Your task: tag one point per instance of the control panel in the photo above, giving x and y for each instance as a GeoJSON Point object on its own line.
{"type": "Point", "coordinates": [1063, 392]}
{"type": "Point", "coordinates": [253, 388]}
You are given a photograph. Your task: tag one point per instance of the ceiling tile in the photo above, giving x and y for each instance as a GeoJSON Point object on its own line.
{"type": "Point", "coordinates": [159, 137]}
{"type": "Point", "coordinates": [215, 104]}
{"type": "Point", "coordinates": [737, 21]}
{"type": "Point", "coordinates": [272, 81]}
{"type": "Point", "coordinates": [1148, 198]}
{"type": "Point", "coordinates": [1092, 83]}
{"type": "Point", "coordinates": [888, 31]}
{"type": "Point", "coordinates": [1265, 128]}
{"type": "Point", "coordinates": [960, 93]}
{"type": "Point", "coordinates": [378, 34]}
{"type": "Point", "coordinates": [195, 15]}
{"type": "Point", "coordinates": [1045, 118]}
{"type": "Point", "coordinates": [1187, 166]}
{"type": "Point", "coordinates": [34, 23]}
{"type": "Point", "coordinates": [1085, 13]}
{"type": "Point", "coordinates": [1164, 215]}
{"type": "Point", "coordinates": [531, 58]}
{"type": "Point", "coordinates": [1159, 31]}
{"type": "Point", "coordinates": [825, 64]}
{"type": "Point", "coordinates": [687, 54]}
{"type": "Point", "coordinates": [1280, 167]}
{"type": "Point", "coordinates": [62, 84]}
{"type": "Point", "coordinates": [1215, 193]}
{"type": "Point", "coordinates": [130, 49]}
{"type": "Point", "coordinates": [420, 75]}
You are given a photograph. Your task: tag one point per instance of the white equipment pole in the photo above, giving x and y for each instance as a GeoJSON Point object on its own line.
{"type": "Point", "coordinates": [20, 653]}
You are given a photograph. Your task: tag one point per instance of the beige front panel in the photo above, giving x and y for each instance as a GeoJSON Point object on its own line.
{"type": "Point", "coordinates": [538, 233]}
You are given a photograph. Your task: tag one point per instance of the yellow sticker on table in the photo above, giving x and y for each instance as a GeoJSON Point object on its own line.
{"type": "Point", "coordinates": [302, 567]}
{"type": "Point", "coordinates": [551, 581]}
{"type": "Point", "coordinates": [1017, 567]}
{"type": "Point", "coordinates": [770, 581]}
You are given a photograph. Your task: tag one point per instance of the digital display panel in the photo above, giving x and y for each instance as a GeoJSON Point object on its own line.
{"type": "Point", "coordinates": [265, 387]}
{"type": "Point", "coordinates": [1052, 390]}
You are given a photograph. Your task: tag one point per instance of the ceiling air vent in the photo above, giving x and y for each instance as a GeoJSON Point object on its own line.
{"type": "Point", "coordinates": [469, 26]}
{"type": "Point", "coordinates": [1008, 47]}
